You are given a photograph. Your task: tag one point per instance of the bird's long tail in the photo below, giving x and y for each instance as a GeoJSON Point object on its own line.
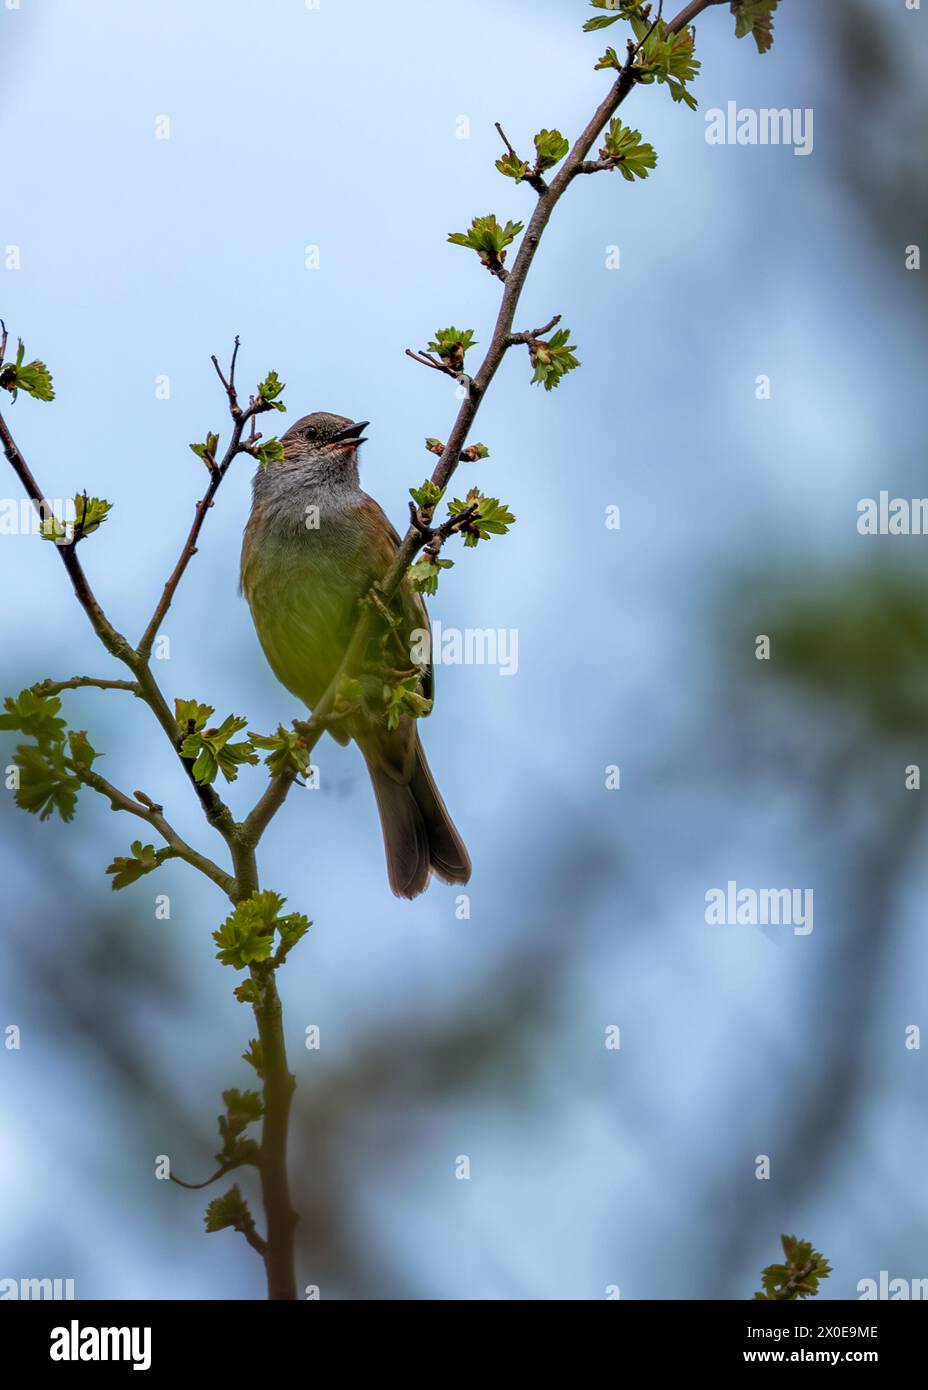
{"type": "Point", "coordinates": [418, 834]}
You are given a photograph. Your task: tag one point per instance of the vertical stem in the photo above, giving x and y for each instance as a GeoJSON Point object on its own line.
{"type": "Point", "coordinates": [275, 1183]}
{"type": "Point", "coordinates": [278, 1088]}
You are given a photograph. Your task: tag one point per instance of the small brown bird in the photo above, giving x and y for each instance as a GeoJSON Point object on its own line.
{"type": "Point", "coordinates": [314, 544]}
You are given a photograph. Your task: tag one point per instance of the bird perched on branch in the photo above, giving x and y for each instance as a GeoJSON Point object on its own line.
{"type": "Point", "coordinates": [314, 544]}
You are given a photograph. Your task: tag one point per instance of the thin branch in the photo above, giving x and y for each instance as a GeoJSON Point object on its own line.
{"type": "Point", "coordinates": [506, 141]}
{"type": "Point", "coordinates": [249, 1231]}
{"type": "Point", "coordinates": [437, 365]}
{"type": "Point", "coordinates": [270, 802]}
{"type": "Point", "coordinates": [596, 166]}
{"type": "Point", "coordinates": [149, 811]}
{"type": "Point", "coordinates": [217, 472]}
{"type": "Point", "coordinates": [533, 334]}
{"type": "Point", "coordinates": [50, 687]}
{"type": "Point", "coordinates": [113, 641]}
{"type": "Point", "coordinates": [219, 1173]}
{"type": "Point", "coordinates": [229, 386]}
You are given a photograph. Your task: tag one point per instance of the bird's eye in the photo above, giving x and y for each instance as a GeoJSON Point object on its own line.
{"type": "Point", "coordinates": [311, 432]}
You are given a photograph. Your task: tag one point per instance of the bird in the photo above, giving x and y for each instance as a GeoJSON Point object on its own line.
{"type": "Point", "coordinates": [314, 544]}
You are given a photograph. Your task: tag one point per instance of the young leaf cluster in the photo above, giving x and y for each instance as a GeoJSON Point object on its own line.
{"type": "Point", "coordinates": [492, 517]}
{"type": "Point", "coordinates": [48, 768]}
{"type": "Point", "coordinates": [89, 515]}
{"type": "Point", "coordinates": [247, 936]}
{"type": "Point", "coordinates": [451, 344]}
{"type": "Point", "coordinates": [405, 698]}
{"type": "Point", "coordinates": [143, 860]}
{"type": "Point", "coordinates": [211, 749]}
{"type": "Point", "coordinates": [552, 359]}
{"type": "Point", "coordinates": [798, 1277]}
{"type": "Point", "coordinates": [489, 239]}
{"type": "Point", "coordinates": [32, 377]}
{"type": "Point", "coordinates": [550, 149]}
{"type": "Point", "coordinates": [625, 150]}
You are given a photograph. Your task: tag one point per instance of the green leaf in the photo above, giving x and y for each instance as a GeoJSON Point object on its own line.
{"type": "Point", "coordinates": [144, 859]}
{"type": "Point", "coordinates": [755, 17]}
{"type": "Point", "coordinates": [247, 934]}
{"type": "Point", "coordinates": [667, 58]}
{"type": "Point", "coordinates": [550, 149]}
{"type": "Point", "coordinates": [623, 9]}
{"type": "Point", "coordinates": [269, 389]}
{"type": "Point", "coordinates": [610, 59]}
{"type": "Point", "coordinates": [492, 517]}
{"type": "Point", "coordinates": [51, 529]}
{"type": "Point", "coordinates": [405, 698]}
{"type": "Point", "coordinates": [429, 494]}
{"type": "Point", "coordinates": [45, 783]}
{"type": "Point", "coordinates": [270, 451]}
{"type": "Point", "coordinates": [243, 1108]}
{"type": "Point", "coordinates": [82, 752]}
{"type": "Point", "coordinates": [423, 575]}
{"type": "Point", "coordinates": [212, 752]}
{"type": "Point", "coordinates": [553, 359]}
{"type": "Point", "coordinates": [451, 344]}
{"type": "Point", "coordinates": [287, 751]}
{"type": "Point", "coordinates": [230, 1209]}
{"type": "Point", "coordinates": [254, 1055]}
{"type": "Point", "coordinates": [191, 715]}
{"type": "Point", "coordinates": [246, 992]}
{"type": "Point", "coordinates": [488, 239]}
{"type": "Point", "coordinates": [292, 929]}
{"type": "Point", "coordinates": [90, 513]}
{"type": "Point", "coordinates": [34, 715]}
{"type": "Point", "coordinates": [207, 450]}
{"type": "Point", "coordinates": [512, 166]}
{"type": "Point", "coordinates": [633, 158]}
{"type": "Point", "coordinates": [799, 1277]}
{"type": "Point", "coordinates": [32, 377]}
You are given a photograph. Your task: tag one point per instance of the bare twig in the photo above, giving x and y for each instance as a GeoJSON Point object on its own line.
{"type": "Point", "coordinates": [50, 687]}
{"type": "Point", "coordinates": [436, 364]}
{"type": "Point", "coordinates": [113, 641]}
{"type": "Point", "coordinates": [217, 472]}
{"type": "Point", "coordinates": [149, 811]}
{"type": "Point", "coordinates": [234, 408]}
{"type": "Point", "coordinates": [533, 334]}
{"type": "Point", "coordinates": [219, 1173]}
{"type": "Point", "coordinates": [533, 177]}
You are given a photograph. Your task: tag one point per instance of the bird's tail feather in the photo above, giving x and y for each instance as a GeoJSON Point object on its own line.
{"type": "Point", "coordinates": [447, 852]}
{"type": "Point", "coordinates": [418, 834]}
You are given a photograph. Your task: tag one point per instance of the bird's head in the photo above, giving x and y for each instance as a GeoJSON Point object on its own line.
{"type": "Point", "coordinates": [323, 438]}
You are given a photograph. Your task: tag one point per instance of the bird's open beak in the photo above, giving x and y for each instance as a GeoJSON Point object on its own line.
{"type": "Point", "coordinates": [351, 436]}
